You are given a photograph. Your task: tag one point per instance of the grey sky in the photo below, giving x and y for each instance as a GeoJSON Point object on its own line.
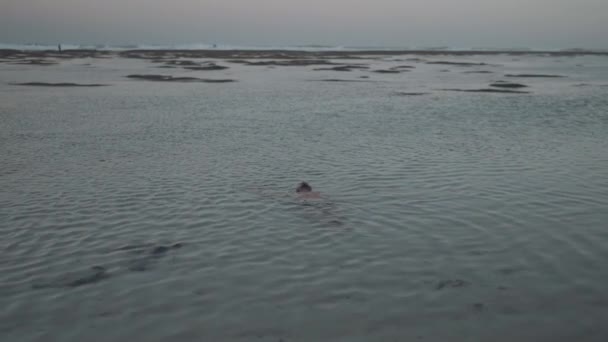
{"type": "Point", "coordinates": [458, 23]}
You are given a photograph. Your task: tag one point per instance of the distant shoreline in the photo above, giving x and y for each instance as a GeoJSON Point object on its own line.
{"type": "Point", "coordinates": [211, 53]}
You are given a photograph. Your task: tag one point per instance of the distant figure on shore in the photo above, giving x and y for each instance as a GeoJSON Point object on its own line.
{"type": "Point", "coordinates": [305, 190]}
{"type": "Point", "coordinates": [59, 47]}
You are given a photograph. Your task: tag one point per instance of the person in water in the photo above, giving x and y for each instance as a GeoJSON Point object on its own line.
{"type": "Point", "coordinates": [305, 190]}
{"type": "Point", "coordinates": [304, 187]}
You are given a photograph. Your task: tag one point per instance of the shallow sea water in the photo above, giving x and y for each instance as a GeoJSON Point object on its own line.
{"type": "Point", "coordinates": [444, 217]}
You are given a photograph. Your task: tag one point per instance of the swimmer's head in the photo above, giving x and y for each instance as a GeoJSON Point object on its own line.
{"type": "Point", "coordinates": [304, 187]}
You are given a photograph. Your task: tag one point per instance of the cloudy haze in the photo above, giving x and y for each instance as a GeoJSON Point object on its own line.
{"type": "Point", "coordinates": [456, 23]}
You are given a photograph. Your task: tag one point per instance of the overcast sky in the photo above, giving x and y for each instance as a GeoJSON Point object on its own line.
{"type": "Point", "coordinates": [456, 23]}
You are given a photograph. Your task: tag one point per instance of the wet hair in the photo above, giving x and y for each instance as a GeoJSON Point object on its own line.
{"type": "Point", "coordinates": [304, 187]}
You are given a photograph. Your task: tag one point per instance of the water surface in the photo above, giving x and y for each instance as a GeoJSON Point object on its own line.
{"type": "Point", "coordinates": [445, 217]}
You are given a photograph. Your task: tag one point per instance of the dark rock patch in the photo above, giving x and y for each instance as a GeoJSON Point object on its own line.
{"type": "Point", "coordinates": [164, 78]}
{"type": "Point", "coordinates": [288, 62]}
{"type": "Point", "coordinates": [387, 71]}
{"type": "Point", "coordinates": [358, 66]}
{"type": "Point", "coordinates": [343, 68]}
{"type": "Point", "coordinates": [340, 80]}
{"type": "Point", "coordinates": [401, 67]}
{"type": "Point", "coordinates": [410, 94]}
{"type": "Point", "coordinates": [534, 75]}
{"type": "Point", "coordinates": [508, 85]}
{"type": "Point", "coordinates": [33, 57]}
{"type": "Point", "coordinates": [207, 80]}
{"type": "Point", "coordinates": [207, 67]}
{"type": "Point", "coordinates": [478, 72]}
{"type": "Point", "coordinates": [45, 84]}
{"type": "Point", "coordinates": [489, 90]}
{"type": "Point", "coordinates": [167, 78]}
{"type": "Point", "coordinates": [456, 63]}
{"type": "Point", "coordinates": [394, 70]}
